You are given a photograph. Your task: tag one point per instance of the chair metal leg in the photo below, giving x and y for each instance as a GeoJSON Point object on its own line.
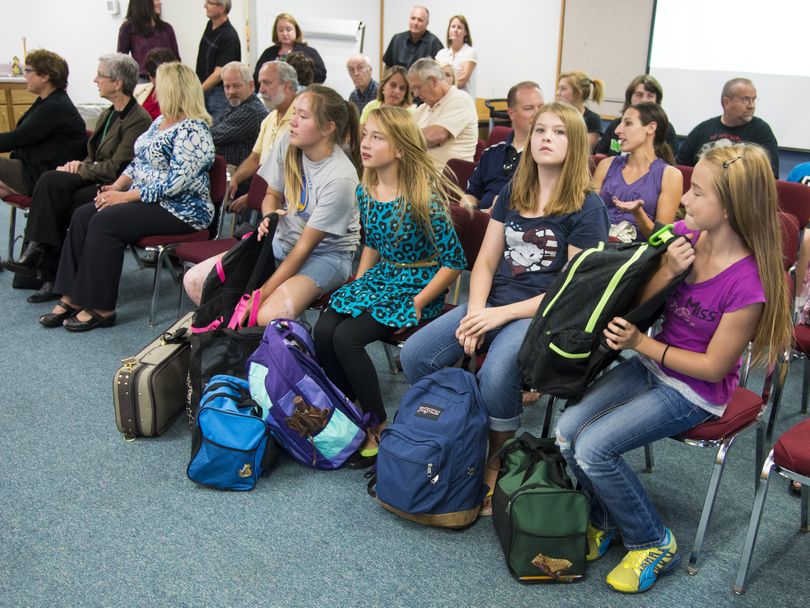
{"type": "Point", "coordinates": [649, 458]}
{"type": "Point", "coordinates": [12, 232]}
{"type": "Point", "coordinates": [779, 377]}
{"type": "Point", "coordinates": [138, 259]}
{"type": "Point", "coordinates": [746, 366]}
{"type": "Point", "coordinates": [805, 499]}
{"type": "Point", "coordinates": [391, 357]}
{"type": "Point", "coordinates": [759, 455]}
{"type": "Point", "coordinates": [182, 290]}
{"type": "Point", "coordinates": [156, 285]}
{"type": "Point", "coordinates": [805, 385]}
{"type": "Point", "coordinates": [753, 526]}
{"type": "Point", "coordinates": [708, 504]}
{"type": "Point", "coordinates": [549, 416]}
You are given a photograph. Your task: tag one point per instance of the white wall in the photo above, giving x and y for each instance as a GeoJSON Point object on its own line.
{"type": "Point", "coordinates": [518, 43]}
{"type": "Point", "coordinates": [81, 30]}
{"type": "Point", "coordinates": [514, 41]}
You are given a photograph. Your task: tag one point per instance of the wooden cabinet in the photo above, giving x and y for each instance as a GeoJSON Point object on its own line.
{"type": "Point", "coordinates": [14, 101]}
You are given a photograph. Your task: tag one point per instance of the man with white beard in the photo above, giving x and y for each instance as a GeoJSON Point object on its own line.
{"type": "Point", "coordinates": [278, 83]}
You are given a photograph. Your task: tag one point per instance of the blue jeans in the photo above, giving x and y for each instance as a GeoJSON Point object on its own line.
{"type": "Point", "coordinates": [435, 346]}
{"type": "Point", "coordinates": [625, 409]}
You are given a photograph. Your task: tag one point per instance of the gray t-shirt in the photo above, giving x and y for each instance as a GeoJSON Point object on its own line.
{"type": "Point", "coordinates": [327, 200]}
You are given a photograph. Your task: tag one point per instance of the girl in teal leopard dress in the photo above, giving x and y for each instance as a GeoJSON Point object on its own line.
{"type": "Point", "coordinates": [410, 258]}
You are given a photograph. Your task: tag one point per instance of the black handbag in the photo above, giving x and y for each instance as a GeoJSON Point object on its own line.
{"type": "Point", "coordinates": [220, 342]}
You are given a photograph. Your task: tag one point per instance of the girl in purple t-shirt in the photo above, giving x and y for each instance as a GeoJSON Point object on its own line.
{"type": "Point", "coordinates": [641, 187]}
{"type": "Point", "coordinates": [735, 293]}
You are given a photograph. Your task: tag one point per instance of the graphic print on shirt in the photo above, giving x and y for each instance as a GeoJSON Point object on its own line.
{"type": "Point", "coordinates": [302, 207]}
{"type": "Point", "coordinates": [721, 140]}
{"type": "Point", "coordinates": [692, 311]}
{"type": "Point", "coordinates": [529, 251]}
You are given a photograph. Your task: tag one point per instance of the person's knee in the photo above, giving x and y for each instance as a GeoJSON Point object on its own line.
{"type": "Point", "coordinates": [193, 282]}
{"type": "Point", "coordinates": [413, 365]}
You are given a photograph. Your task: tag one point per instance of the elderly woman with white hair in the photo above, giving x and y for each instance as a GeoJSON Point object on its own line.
{"type": "Point", "coordinates": [58, 193]}
{"type": "Point", "coordinates": [164, 190]}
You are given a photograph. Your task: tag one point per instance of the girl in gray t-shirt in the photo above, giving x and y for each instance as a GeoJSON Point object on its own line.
{"type": "Point", "coordinates": [311, 183]}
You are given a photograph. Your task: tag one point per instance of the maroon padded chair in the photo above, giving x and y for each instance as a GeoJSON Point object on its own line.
{"type": "Point", "coordinates": [686, 171]}
{"type": "Point", "coordinates": [794, 198]}
{"type": "Point", "coordinates": [460, 171]}
{"type": "Point", "coordinates": [498, 134]}
{"type": "Point", "coordinates": [471, 226]}
{"type": "Point", "coordinates": [190, 254]}
{"type": "Point", "coordinates": [162, 244]}
{"type": "Point", "coordinates": [790, 457]}
{"type": "Point", "coordinates": [479, 150]}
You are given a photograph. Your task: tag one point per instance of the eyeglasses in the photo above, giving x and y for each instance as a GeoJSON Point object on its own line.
{"type": "Point", "coordinates": [730, 161]}
{"type": "Point", "coordinates": [747, 100]}
{"type": "Point", "coordinates": [100, 75]}
{"type": "Point", "coordinates": [510, 160]}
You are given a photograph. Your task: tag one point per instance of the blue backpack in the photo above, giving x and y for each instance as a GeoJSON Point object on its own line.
{"type": "Point", "coordinates": [231, 444]}
{"type": "Point", "coordinates": [430, 468]}
{"type": "Point", "coordinates": [312, 419]}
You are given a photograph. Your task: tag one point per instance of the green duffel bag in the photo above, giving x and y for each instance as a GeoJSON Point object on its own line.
{"type": "Point", "coordinates": [541, 521]}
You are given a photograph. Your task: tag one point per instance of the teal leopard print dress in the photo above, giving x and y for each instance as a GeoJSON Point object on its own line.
{"type": "Point", "coordinates": [387, 289]}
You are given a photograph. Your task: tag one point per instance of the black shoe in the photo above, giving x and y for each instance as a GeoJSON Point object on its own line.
{"type": "Point", "coordinates": [29, 259]}
{"type": "Point", "coordinates": [95, 320]}
{"type": "Point", "coordinates": [45, 294]}
{"type": "Point", "coordinates": [55, 319]}
{"type": "Point", "coordinates": [358, 461]}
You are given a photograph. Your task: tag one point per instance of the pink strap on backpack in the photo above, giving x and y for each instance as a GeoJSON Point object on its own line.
{"type": "Point", "coordinates": [252, 299]}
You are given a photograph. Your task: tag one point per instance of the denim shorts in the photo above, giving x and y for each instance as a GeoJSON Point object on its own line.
{"type": "Point", "coordinates": [327, 269]}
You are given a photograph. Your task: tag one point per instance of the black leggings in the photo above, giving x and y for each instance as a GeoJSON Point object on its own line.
{"type": "Point", "coordinates": [340, 342]}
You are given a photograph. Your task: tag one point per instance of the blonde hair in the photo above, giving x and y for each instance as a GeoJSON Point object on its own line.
{"type": "Point", "coordinates": [407, 100]}
{"type": "Point", "coordinates": [584, 87]}
{"type": "Point", "coordinates": [420, 183]}
{"type": "Point", "coordinates": [179, 93]}
{"type": "Point", "coordinates": [467, 35]}
{"type": "Point", "coordinates": [745, 185]}
{"type": "Point", "coordinates": [327, 106]}
{"type": "Point", "coordinates": [574, 182]}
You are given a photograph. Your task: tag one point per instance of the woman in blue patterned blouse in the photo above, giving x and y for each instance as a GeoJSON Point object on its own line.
{"type": "Point", "coordinates": [164, 190]}
{"type": "Point", "coordinates": [411, 256]}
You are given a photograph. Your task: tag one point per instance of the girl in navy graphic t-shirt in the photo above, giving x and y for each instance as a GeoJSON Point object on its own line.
{"type": "Point", "coordinates": [546, 215]}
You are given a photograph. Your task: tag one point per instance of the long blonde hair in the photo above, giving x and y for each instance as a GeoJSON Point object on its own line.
{"type": "Point", "coordinates": [574, 182]}
{"type": "Point", "coordinates": [179, 93]}
{"type": "Point", "coordinates": [745, 185]}
{"type": "Point", "coordinates": [326, 106]}
{"type": "Point", "coordinates": [420, 183]}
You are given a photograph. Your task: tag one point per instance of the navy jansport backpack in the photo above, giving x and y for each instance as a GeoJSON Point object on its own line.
{"type": "Point", "coordinates": [231, 444]}
{"type": "Point", "coordinates": [312, 419]}
{"type": "Point", "coordinates": [564, 350]}
{"type": "Point", "coordinates": [430, 467]}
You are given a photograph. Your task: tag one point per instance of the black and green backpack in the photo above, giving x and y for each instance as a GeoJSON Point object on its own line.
{"type": "Point", "coordinates": [564, 349]}
{"type": "Point", "coordinates": [540, 519]}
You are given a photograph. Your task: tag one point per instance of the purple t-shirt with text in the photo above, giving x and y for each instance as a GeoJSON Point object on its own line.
{"type": "Point", "coordinates": [693, 312]}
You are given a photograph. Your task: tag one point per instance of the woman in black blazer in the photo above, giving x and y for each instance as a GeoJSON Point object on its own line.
{"type": "Point", "coordinates": [49, 134]}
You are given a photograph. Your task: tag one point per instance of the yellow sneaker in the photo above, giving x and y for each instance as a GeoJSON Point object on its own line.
{"type": "Point", "coordinates": [639, 570]}
{"type": "Point", "coordinates": [598, 542]}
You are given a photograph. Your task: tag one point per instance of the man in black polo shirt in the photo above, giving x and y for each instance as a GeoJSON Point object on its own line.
{"type": "Point", "coordinates": [219, 45]}
{"type": "Point", "coordinates": [416, 43]}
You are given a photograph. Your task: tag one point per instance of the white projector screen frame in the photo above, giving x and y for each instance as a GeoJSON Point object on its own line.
{"type": "Point", "coordinates": [696, 46]}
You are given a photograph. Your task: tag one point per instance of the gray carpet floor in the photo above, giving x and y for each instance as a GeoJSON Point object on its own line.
{"type": "Point", "coordinates": [87, 519]}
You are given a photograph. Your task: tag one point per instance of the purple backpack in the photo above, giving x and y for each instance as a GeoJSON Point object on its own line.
{"type": "Point", "coordinates": [311, 418]}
